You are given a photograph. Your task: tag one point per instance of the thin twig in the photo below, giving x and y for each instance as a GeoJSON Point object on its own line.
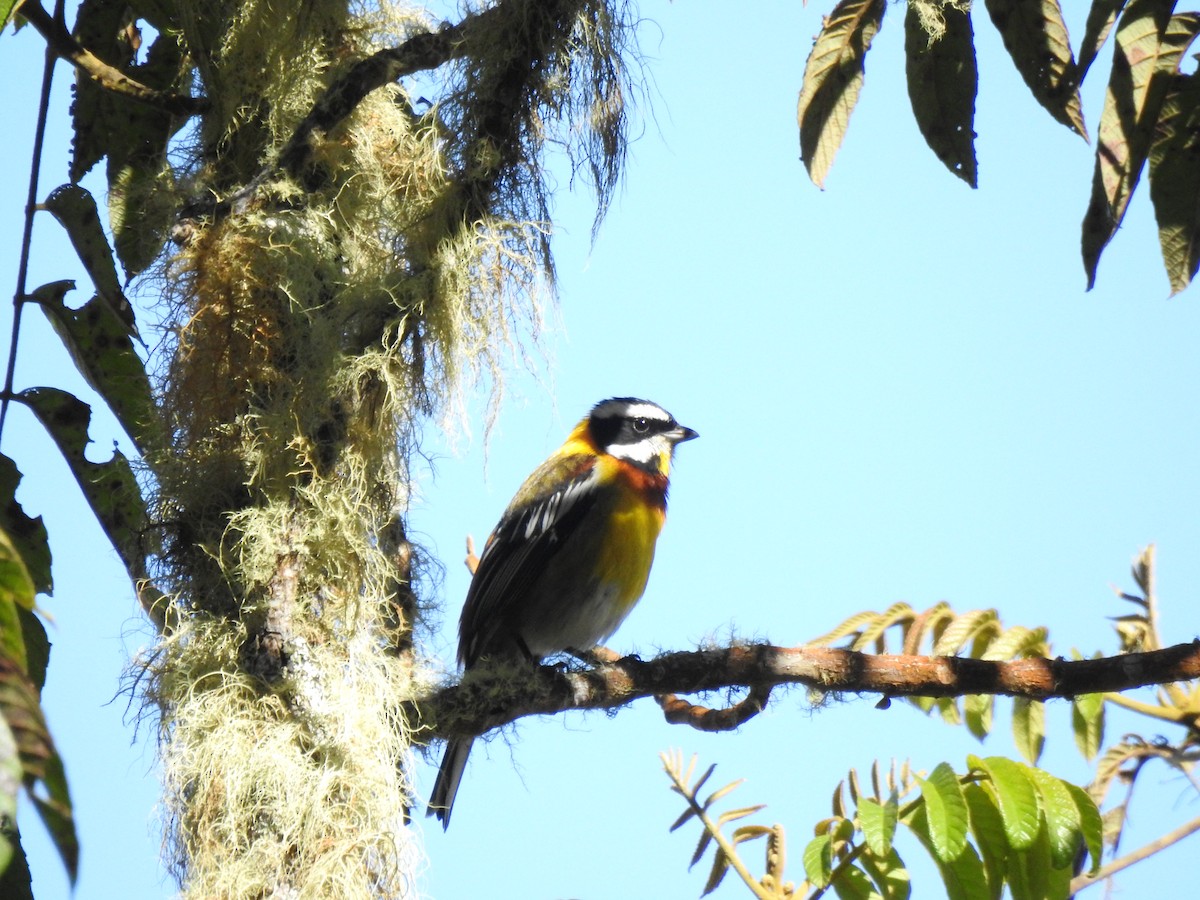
{"type": "Point", "coordinates": [1154, 710]}
{"type": "Point", "coordinates": [713, 829]}
{"type": "Point", "coordinates": [1172, 837]}
{"type": "Point", "coordinates": [60, 42]}
{"type": "Point", "coordinates": [27, 231]}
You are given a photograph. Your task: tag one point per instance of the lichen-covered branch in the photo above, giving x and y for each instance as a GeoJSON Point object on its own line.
{"type": "Point", "coordinates": [64, 45]}
{"type": "Point", "coordinates": [492, 698]}
{"type": "Point", "coordinates": [421, 52]}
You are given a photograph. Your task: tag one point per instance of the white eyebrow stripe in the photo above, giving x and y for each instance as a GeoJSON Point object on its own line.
{"type": "Point", "coordinates": [649, 411]}
{"type": "Point", "coordinates": [615, 409]}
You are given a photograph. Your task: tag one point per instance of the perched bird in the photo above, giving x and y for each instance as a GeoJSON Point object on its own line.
{"type": "Point", "coordinates": [571, 554]}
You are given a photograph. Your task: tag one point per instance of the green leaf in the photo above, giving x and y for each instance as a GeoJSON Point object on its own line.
{"type": "Point", "coordinates": [105, 29]}
{"type": "Point", "coordinates": [1091, 825]}
{"type": "Point", "coordinates": [1175, 179]}
{"type": "Point", "coordinates": [701, 845]}
{"type": "Point", "coordinates": [947, 812]}
{"type": "Point", "coordinates": [12, 642]}
{"type": "Point", "coordinates": [818, 860]}
{"type": "Point", "coordinates": [1016, 795]}
{"type": "Point", "coordinates": [109, 487]}
{"type": "Point", "coordinates": [966, 628]}
{"type": "Point", "coordinates": [977, 710]}
{"type": "Point", "coordinates": [1030, 874]}
{"type": "Point", "coordinates": [37, 647]}
{"type": "Point", "coordinates": [104, 354]}
{"type": "Point", "coordinates": [833, 77]}
{"type": "Point", "coordinates": [853, 884]}
{"type": "Point", "coordinates": [947, 708]}
{"type": "Point", "coordinates": [1029, 728]}
{"type": "Point", "coordinates": [1149, 45]}
{"type": "Point", "coordinates": [1061, 817]}
{"type": "Point", "coordinates": [75, 210]}
{"type": "Point", "coordinates": [6, 12]}
{"type": "Point", "coordinates": [28, 535]}
{"type": "Point", "coordinates": [1035, 36]}
{"type": "Point", "coordinates": [1087, 721]}
{"type": "Point", "coordinates": [942, 82]}
{"type": "Point", "coordinates": [1099, 22]}
{"type": "Point", "coordinates": [988, 830]}
{"type": "Point", "coordinates": [888, 874]}
{"type": "Point", "coordinates": [873, 632]}
{"type": "Point", "coordinates": [135, 138]}
{"type": "Point", "coordinates": [962, 877]}
{"type": "Point", "coordinates": [16, 881]}
{"type": "Point", "coordinates": [139, 226]}
{"type": "Point", "coordinates": [720, 867]}
{"type": "Point", "coordinates": [40, 762]}
{"type": "Point", "coordinates": [878, 823]}
{"type": "Point", "coordinates": [1018, 642]}
{"type": "Point", "coordinates": [850, 626]}
{"type": "Point", "coordinates": [16, 585]}
{"type": "Point", "coordinates": [10, 783]}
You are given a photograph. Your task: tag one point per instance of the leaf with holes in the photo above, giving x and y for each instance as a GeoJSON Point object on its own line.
{"type": "Point", "coordinates": [104, 354]}
{"type": "Point", "coordinates": [1035, 36]}
{"type": "Point", "coordinates": [942, 82]}
{"type": "Point", "coordinates": [833, 77]}
{"type": "Point", "coordinates": [75, 210]}
{"type": "Point", "coordinates": [109, 487]}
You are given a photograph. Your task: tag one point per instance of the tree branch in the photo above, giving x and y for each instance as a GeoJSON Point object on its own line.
{"type": "Point", "coordinates": [421, 52]}
{"type": "Point", "coordinates": [64, 45]}
{"type": "Point", "coordinates": [490, 698]}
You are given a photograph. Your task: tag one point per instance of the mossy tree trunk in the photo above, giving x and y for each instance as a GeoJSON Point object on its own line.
{"type": "Point", "coordinates": [338, 259]}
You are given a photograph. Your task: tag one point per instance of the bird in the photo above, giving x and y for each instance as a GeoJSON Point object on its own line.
{"type": "Point", "coordinates": [571, 554]}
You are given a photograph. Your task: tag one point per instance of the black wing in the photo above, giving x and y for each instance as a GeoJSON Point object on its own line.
{"type": "Point", "coordinates": [529, 534]}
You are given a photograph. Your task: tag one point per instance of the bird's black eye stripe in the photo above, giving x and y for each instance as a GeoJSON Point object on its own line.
{"type": "Point", "coordinates": [624, 421]}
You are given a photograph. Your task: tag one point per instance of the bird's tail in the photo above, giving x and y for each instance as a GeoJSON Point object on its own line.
{"type": "Point", "coordinates": [441, 802]}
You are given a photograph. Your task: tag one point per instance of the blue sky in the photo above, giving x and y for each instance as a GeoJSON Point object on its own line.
{"type": "Point", "coordinates": [903, 393]}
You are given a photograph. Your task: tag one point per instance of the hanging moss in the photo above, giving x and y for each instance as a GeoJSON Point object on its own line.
{"type": "Point", "coordinates": [316, 329]}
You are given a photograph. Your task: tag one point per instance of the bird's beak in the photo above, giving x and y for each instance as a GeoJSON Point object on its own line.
{"type": "Point", "coordinates": [681, 433]}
